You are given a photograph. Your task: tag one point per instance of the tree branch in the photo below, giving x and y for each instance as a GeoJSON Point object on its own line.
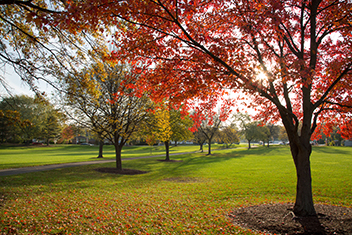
{"type": "Point", "coordinates": [322, 99]}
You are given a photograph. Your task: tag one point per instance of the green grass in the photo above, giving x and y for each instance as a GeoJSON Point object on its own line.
{"type": "Point", "coordinates": [193, 196]}
{"type": "Point", "coordinates": [13, 157]}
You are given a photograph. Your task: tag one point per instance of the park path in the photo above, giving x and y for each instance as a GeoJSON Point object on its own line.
{"type": "Point", "coordinates": [23, 170]}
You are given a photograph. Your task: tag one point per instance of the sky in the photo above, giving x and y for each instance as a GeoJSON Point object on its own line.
{"type": "Point", "coordinates": [18, 87]}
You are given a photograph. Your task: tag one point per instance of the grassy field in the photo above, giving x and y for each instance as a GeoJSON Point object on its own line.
{"type": "Point", "coordinates": [12, 157]}
{"type": "Point", "coordinates": [192, 196]}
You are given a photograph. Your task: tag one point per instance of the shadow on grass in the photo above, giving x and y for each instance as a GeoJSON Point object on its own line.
{"type": "Point", "coordinates": [332, 150]}
{"type": "Point", "coordinates": [87, 177]}
{"type": "Point", "coordinates": [84, 176]}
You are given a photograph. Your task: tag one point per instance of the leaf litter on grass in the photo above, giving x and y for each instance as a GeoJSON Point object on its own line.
{"type": "Point", "coordinates": [146, 210]}
{"type": "Point", "coordinates": [81, 200]}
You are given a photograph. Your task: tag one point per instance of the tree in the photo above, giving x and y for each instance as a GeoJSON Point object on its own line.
{"type": "Point", "coordinates": [302, 47]}
{"type": "Point", "coordinates": [166, 123]}
{"type": "Point", "coordinates": [180, 125]}
{"type": "Point", "coordinates": [283, 134]}
{"type": "Point", "coordinates": [163, 128]}
{"type": "Point", "coordinates": [104, 93]}
{"type": "Point", "coordinates": [27, 115]}
{"type": "Point", "coordinates": [251, 130]}
{"type": "Point", "coordinates": [52, 125]}
{"type": "Point", "coordinates": [38, 44]}
{"type": "Point", "coordinates": [207, 120]}
{"type": "Point", "coordinates": [227, 135]}
{"type": "Point", "coordinates": [67, 133]}
{"type": "Point", "coordinates": [273, 132]}
{"type": "Point", "coordinates": [263, 133]}
{"type": "Point", "coordinates": [10, 123]}
{"type": "Point", "coordinates": [199, 138]}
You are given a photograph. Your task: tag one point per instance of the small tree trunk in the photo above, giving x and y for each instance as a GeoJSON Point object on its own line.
{"type": "Point", "coordinates": [118, 149]}
{"type": "Point", "coordinates": [167, 150]}
{"type": "Point", "coordinates": [209, 147]}
{"type": "Point", "coordinates": [201, 147]}
{"type": "Point", "coordinates": [249, 144]}
{"type": "Point", "coordinates": [304, 205]}
{"type": "Point", "coordinates": [101, 144]}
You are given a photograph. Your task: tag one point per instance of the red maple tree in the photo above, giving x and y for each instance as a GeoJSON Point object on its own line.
{"type": "Point", "coordinates": [208, 115]}
{"type": "Point", "coordinates": [193, 48]}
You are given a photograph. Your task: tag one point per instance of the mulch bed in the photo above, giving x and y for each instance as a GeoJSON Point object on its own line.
{"type": "Point", "coordinates": [279, 219]}
{"type": "Point", "coordinates": [120, 172]}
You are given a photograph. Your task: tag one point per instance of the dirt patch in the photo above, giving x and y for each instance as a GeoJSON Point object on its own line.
{"type": "Point", "coordinates": [120, 172]}
{"type": "Point", "coordinates": [279, 219]}
{"type": "Point", "coordinates": [170, 160]}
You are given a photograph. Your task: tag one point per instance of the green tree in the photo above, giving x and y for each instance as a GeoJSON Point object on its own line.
{"type": "Point", "coordinates": [52, 126]}
{"type": "Point", "coordinates": [263, 134]}
{"type": "Point", "coordinates": [282, 134]}
{"type": "Point", "coordinates": [11, 124]}
{"type": "Point", "coordinates": [227, 135]}
{"type": "Point", "coordinates": [249, 129]}
{"type": "Point", "coordinates": [31, 111]}
{"type": "Point", "coordinates": [251, 132]}
{"type": "Point", "coordinates": [199, 138]}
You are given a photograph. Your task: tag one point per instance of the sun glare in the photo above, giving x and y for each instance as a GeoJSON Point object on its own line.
{"type": "Point", "coordinates": [261, 76]}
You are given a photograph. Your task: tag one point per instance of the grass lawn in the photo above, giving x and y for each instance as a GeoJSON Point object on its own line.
{"type": "Point", "coordinates": [12, 157]}
{"type": "Point", "coordinates": [193, 196]}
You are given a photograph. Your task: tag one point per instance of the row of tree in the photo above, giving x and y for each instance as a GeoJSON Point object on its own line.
{"type": "Point", "coordinates": [192, 49]}
{"type": "Point", "coordinates": [23, 118]}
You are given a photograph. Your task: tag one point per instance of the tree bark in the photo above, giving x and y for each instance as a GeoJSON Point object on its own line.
{"type": "Point", "coordinates": [101, 144]}
{"type": "Point", "coordinates": [304, 205]}
{"type": "Point", "coordinates": [118, 149]}
{"type": "Point", "coordinates": [249, 144]}
{"type": "Point", "coordinates": [209, 147]}
{"type": "Point", "coordinates": [201, 147]}
{"type": "Point", "coordinates": [167, 150]}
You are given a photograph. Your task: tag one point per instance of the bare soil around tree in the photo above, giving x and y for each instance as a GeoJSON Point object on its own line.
{"type": "Point", "coordinates": [279, 219]}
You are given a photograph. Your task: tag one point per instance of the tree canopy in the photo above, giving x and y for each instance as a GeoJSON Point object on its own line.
{"type": "Point", "coordinates": [24, 118]}
{"type": "Point", "coordinates": [38, 44]}
{"type": "Point", "coordinates": [104, 93]}
{"type": "Point", "coordinates": [195, 48]}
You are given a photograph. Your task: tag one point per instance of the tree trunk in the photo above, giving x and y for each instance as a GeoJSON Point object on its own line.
{"type": "Point", "coordinates": [304, 205]}
{"type": "Point", "coordinates": [201, 147]}
{"type": "Point", "coordinates": [118, 149]}
{"type": "Point", "coordinates": [101, 144]}
{"type": "Point", "coordinates": [249, 144]}
{"type": "Point", "coordinates": [167, 150]}
{"type": "Point", "coordinates": [209, 147]}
